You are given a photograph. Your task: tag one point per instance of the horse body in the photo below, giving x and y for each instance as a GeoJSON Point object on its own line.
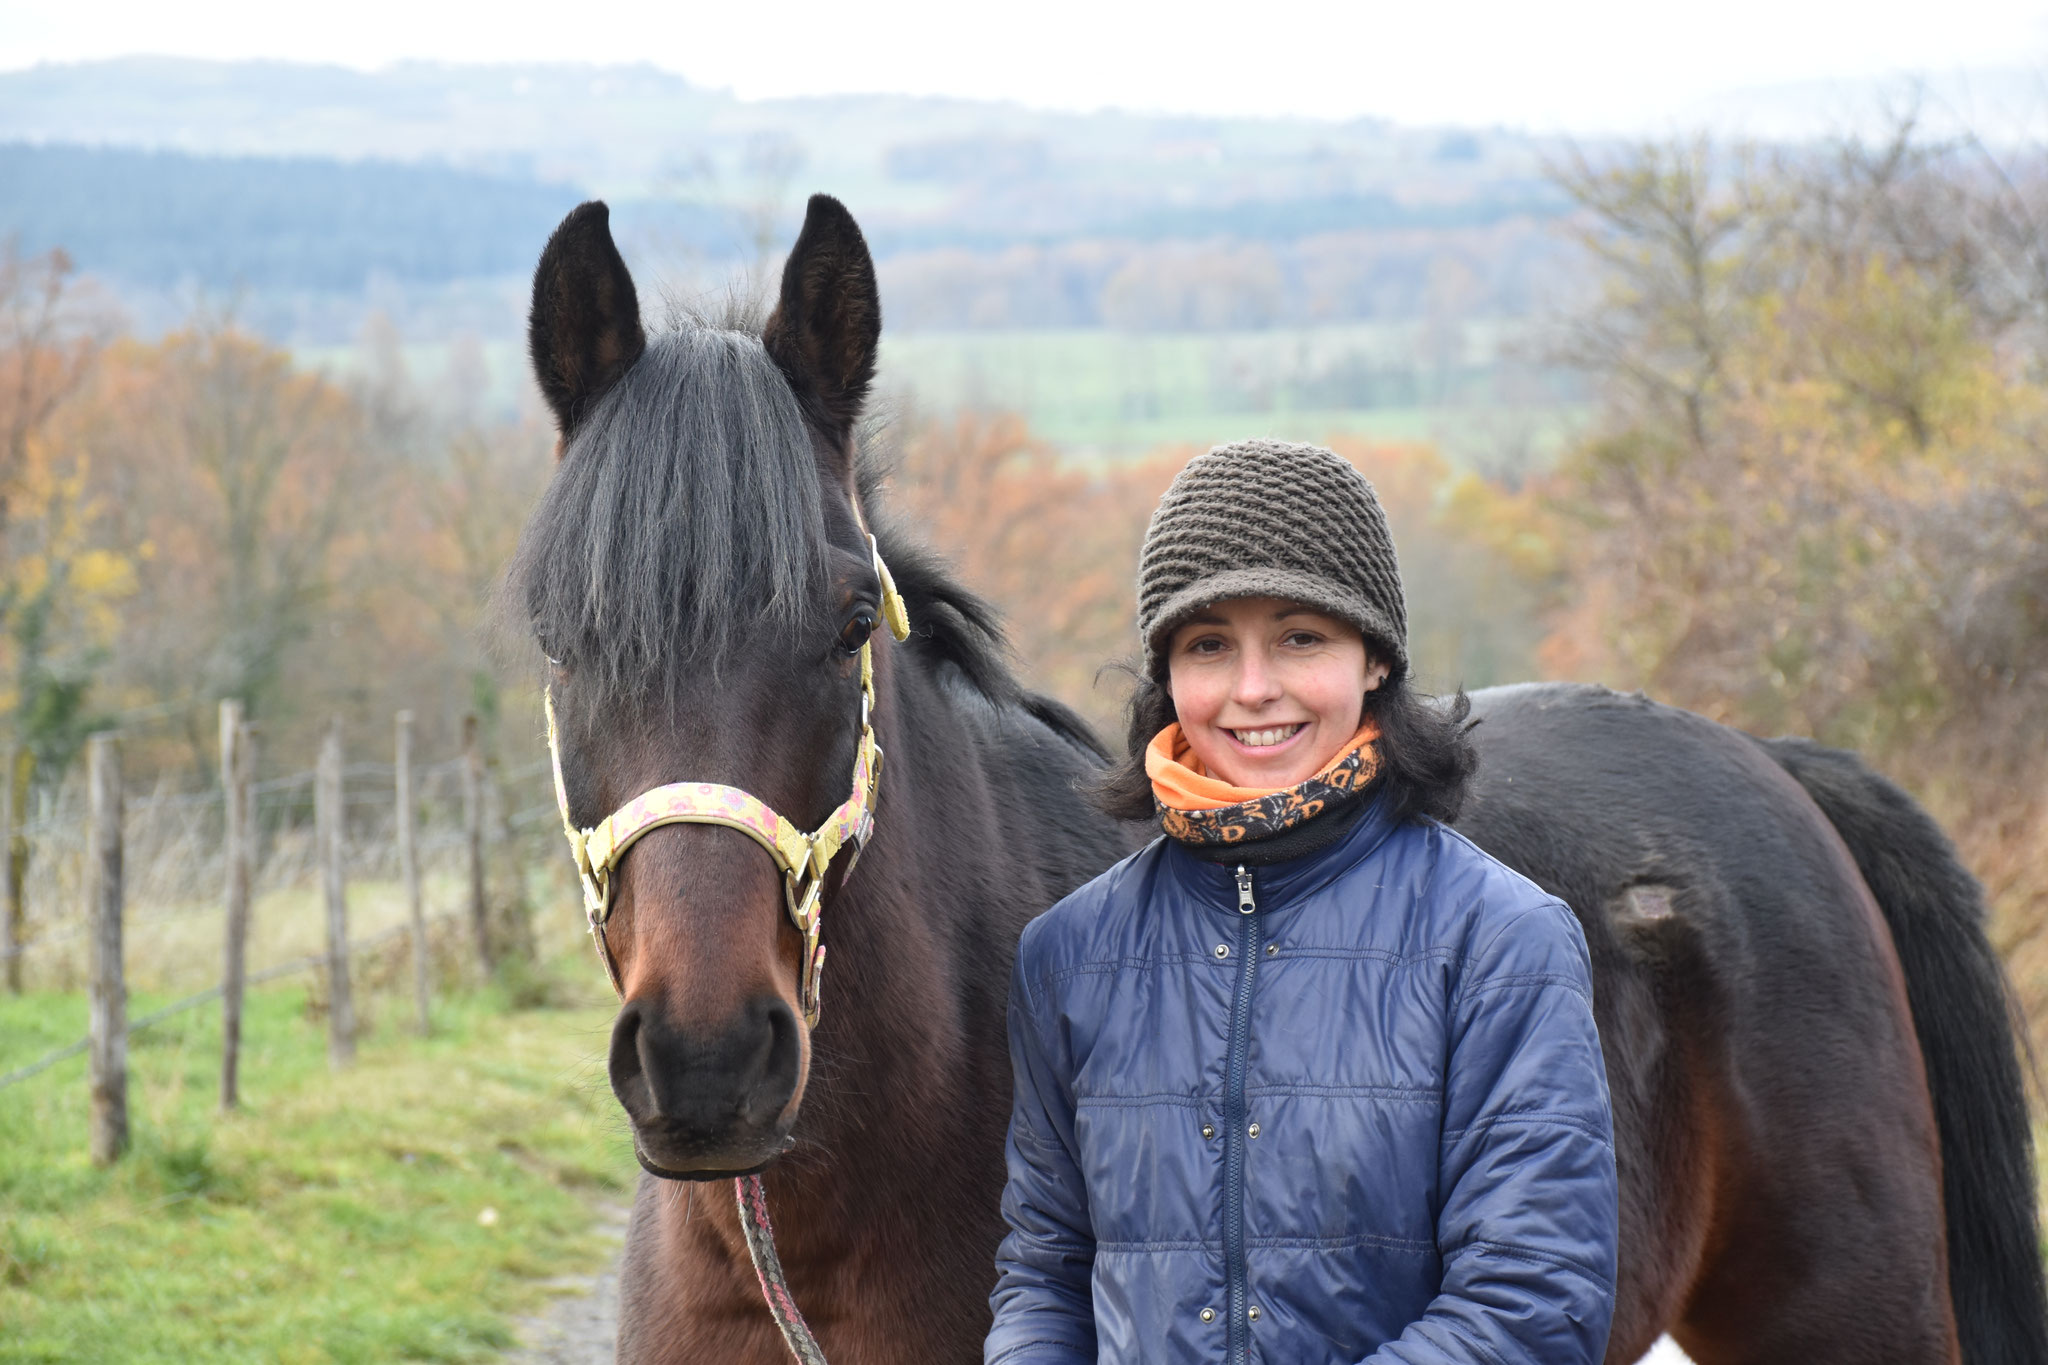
{"type": "Point", "coordinates": [1819, 1123]}
{"type": "Point", "coordinates": [1780, 1166]}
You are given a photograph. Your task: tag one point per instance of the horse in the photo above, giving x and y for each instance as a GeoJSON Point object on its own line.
{"type": "Point", "coordinates": [1820, 1126]}
{"type": "Point", "coordinates": [700, 576]}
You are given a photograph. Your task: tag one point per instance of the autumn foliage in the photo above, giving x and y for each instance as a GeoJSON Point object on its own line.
{"type": "Point", "coordinates": [1055, 546]}
{"type": "Point", "coordinates": [198, 517]}
{"type": "Point", "coordinates": [1814, 501]}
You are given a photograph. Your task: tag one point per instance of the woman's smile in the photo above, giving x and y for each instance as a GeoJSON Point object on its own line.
{"type": "Point", "coordinates": [1269, 739]}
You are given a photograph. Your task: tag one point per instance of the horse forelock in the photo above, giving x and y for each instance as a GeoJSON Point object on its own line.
{"type": "Point", "coordinates": [688, 516]}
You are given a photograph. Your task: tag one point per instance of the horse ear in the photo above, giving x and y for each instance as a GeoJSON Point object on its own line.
{"type": "Point", "coordinates": [827, 324]}
{"type": "Point", "coordinates": [584, 331]}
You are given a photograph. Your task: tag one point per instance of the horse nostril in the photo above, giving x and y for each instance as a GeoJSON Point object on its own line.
{"type": "Point", "coordinates": [628, 1069]}
{"type": "Point", "coordinates": [781, 1062]}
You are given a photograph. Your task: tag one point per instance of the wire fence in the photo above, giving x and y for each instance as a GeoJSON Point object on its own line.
{"type": "Point", "coordinates": [175, 862]}
{"type": "Point", "coordinates": [210, 891]}
{"type": "Point", "coordinates": [211, 993]}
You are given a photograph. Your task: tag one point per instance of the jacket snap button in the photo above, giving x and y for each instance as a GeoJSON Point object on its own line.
{"type": "Point", "coordinates": [1252, 1312]}
{"type": "Point", "coordinates": [1208, 1315]}
{"type": "Point", "coordinates": [1272, 950]}
{"type": "Point", "coordinates": [1223, 950]}
{"type": "Point", "coordinates": [1208, 1130]}
{"type": "Point", "coordinates": [1254, 1132]}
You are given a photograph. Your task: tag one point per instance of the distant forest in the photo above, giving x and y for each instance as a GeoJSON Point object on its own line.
{"type": "Point", "coordinates": [164, 219]}
{"type": "Point", "coordinates": [424, 192]}
{"type": "Point", "coordinates": [302, 225]}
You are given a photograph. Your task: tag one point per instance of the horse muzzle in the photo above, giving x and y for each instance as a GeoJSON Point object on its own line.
{"type": "Point", "coordinates": [706, 1107]}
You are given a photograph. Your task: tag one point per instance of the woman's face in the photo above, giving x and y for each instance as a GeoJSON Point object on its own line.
{"type": "Point", "coordinates": [1268, 690]}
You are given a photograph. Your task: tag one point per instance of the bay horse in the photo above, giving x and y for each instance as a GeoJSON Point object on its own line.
{"type": "Point", "coordinates": [1820, 1124]}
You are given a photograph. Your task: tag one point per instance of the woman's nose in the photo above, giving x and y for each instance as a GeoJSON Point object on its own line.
{"type": "Point", "coordinates": [1255, 681]}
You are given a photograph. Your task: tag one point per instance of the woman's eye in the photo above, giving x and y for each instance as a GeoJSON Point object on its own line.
{"type": "Point", "coordinates": [856, 632]}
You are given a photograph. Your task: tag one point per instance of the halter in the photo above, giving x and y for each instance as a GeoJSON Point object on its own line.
{"type": "Point", "coordinates": [803, 859]}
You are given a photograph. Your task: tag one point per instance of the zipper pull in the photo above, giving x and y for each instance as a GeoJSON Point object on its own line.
{"type": "Point", "coordinates": [1245, 904]}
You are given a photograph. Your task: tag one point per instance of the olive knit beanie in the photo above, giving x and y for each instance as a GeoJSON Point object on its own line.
{"type": "Point", "coordinates": [1271, 519]}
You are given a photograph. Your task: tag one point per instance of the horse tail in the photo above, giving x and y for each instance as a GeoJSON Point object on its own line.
{"type": "Point", "coordinates": [1965, 1016]}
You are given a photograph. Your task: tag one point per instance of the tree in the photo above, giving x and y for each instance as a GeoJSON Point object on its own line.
{"type": "Point", "coordinates": [1054, 546]}
{"type": "Point", "coordinates": [247, 482]}
{"type": "Point", "coordinates": [56, 583]}
{"type": "Point", "coordinates": [1814, 499]}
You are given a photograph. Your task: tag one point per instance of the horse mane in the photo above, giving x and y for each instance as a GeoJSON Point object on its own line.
{"type": "Point", "coordinates": [684, 513]}
{"type": "Point", "coordinates": [949, 622]}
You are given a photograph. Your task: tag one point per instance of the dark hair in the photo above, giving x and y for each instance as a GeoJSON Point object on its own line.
{"type": "Point", "coordinates": [1427, 758]}
{"type": "Point", "coordinates": [686, 509]}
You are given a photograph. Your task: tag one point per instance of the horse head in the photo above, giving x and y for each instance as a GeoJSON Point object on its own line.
{"type": "Point", "coordinates": [702, 584]}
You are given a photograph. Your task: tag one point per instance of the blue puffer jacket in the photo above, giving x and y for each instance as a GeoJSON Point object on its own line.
{"type": "Point", "coordinates": [1346, 1108]}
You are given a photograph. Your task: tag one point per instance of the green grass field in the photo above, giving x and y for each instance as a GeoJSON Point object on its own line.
{"type": "Point", "coordinates": [405, 1209]}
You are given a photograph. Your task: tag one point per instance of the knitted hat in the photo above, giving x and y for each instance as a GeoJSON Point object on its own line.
{"type": "Point", "coordinates": [1271, 519]}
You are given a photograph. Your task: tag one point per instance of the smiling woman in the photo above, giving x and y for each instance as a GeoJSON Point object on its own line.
{"type": "Point", "coordinates": [1275, 632]}
{"type": "Point", "coordinates": [1373, 993]}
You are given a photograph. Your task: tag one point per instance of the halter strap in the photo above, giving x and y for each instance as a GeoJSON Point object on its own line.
{"type": "Point", "coordinates": [802, 858]}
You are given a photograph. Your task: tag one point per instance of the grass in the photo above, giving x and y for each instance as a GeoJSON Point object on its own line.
{"type": "Point", "coordinates": [402, 1210]}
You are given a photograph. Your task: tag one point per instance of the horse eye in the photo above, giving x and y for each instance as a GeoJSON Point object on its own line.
{"type": "Point", "coordinates": [856, 632]}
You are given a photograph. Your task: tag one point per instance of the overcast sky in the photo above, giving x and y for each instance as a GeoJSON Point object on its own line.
{"type": "Point", "coordinates": [1585, 65]}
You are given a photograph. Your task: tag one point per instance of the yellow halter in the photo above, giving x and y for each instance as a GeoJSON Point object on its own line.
{"type": "Point", "coordinates": [802, 858]}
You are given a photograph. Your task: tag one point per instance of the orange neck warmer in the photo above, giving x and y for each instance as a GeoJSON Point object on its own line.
{"type": "Point", "coordinates": [1197, 808]}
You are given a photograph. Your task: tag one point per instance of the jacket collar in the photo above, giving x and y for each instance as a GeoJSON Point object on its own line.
{"type": "Point", "coordinates": [1281, 884]}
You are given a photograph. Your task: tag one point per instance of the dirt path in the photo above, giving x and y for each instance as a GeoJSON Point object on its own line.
{"type": "Point", "coordinates": [579, 1324]}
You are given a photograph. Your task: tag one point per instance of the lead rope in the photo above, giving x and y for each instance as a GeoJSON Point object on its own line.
{"type": "Point", "coordinates": [760, 1235]}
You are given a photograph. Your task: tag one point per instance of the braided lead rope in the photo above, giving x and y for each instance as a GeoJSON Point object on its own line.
{"type": "Point", "coordinates": [760, 1236]}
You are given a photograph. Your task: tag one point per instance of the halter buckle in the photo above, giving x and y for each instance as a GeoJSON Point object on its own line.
{"type": "Point", "coordinates": [804, 913]}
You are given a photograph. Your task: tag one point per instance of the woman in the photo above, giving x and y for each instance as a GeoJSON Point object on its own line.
{"type": "Point", "coordinates": [1311, 1078]}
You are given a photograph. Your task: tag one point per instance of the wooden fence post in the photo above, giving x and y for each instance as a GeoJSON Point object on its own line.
{"type": "Point", "coordinates": [20, 764]}
{"type": "Point", "coordinates": [409, 871]}
{"type": "Point", "coordinates": [473, 824]}
{"type": "Point", "coordinates": [14, 941]}
{"type": "Point", "coordinates": [330, 820]}
{"type": "Point", "coordinates": [252, 820]}
{"type": "Point", "coordinates": [234, 798]}
{"type": "Point", "coordinates": [109, 1010]}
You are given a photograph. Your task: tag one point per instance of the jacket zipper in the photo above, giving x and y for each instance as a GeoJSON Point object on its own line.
{"type": "Point", "coordinates": [1235, 1116]}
